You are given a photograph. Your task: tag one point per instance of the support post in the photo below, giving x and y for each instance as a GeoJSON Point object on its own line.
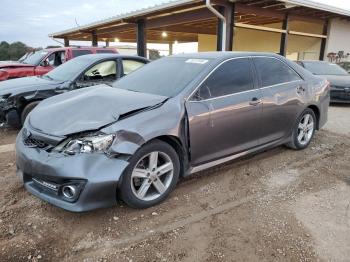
{"type": "Point", "coordinates": [219, 31]}
{"type": "Point", "coordinates": [284, 36]}
{"type": "Point", "coordinates": [230, 23]}
{"type": "Point", "coordinates": [107, 43]}
{"type": "Point", "coordinates": [141, 38]}
{"type": "Point", "coordinates": [94, 38]}
{"type": "Point", "coordinates": [324, 41]}
{"type": "Point", "coordinates": [170, 48]}
{"type": "Point", "coordinates": [66, 42]}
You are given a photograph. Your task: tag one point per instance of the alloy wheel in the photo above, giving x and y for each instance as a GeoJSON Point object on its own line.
{"type": "Point", "coordinates": [152, 176]}
{"type": "Point", "coordinates": [306, 129]}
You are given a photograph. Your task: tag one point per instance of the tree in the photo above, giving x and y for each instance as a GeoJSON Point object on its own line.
{"type": "Point", "coordinates": [17, 50]}
{"type": "Point", "coordinates": [13, 51]}
{"type": "Point", "coordinates": [4, 50]}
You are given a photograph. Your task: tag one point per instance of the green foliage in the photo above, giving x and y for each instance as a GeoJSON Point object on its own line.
{"type": "Point", "coordinates": [13, 51]}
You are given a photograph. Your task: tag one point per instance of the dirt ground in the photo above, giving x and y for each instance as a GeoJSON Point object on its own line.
{"type": "Point", "coordinates": [280, 205]}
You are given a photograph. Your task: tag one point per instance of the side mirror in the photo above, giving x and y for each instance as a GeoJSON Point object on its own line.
{"type": "Point", "coordinates": [45, 63]}
{"type": "Point", "coordinates": [202, 93]}
{"type": "Point", "coordinates": [68, 85]}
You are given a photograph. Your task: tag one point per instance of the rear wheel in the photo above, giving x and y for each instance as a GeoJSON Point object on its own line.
{"type": "Point", "coordinates": [27, 110]}
{"type": "Point", "coordinates": [304, 130]}
{"type": "Point", "coordinates": [152, 174]}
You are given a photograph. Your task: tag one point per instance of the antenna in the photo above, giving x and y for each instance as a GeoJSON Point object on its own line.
{"type": "Point", "coordinates": [76, 22]}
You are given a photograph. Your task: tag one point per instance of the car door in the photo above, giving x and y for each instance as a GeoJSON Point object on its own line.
{"type": "Point", "coordinates": [45, 65]}
{"type": "Point", "coordinates": [225, 112]}
{"type": "Point", "coordinates": [283, 94]}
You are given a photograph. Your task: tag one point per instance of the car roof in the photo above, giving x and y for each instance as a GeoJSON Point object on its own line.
{"type": "Point", "coordinates": [77, 48]}
{"type": "Point", "coordinates": [314, 61]}
{"type": "Point", "coordinates": [96, 57]}
{"type": "Point", "coordinates": [224, 55]}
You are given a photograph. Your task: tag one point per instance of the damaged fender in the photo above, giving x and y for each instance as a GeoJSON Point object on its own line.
{"type": "Point", "coordinates": [126, 143]}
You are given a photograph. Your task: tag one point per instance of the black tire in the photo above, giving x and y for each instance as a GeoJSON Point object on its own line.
{"type": "Point", "coordinates": [27, 110]}
{"type": "Point", "coordinates": [126, 188]}
{"type": "Point", "coordinates": [295, 143]}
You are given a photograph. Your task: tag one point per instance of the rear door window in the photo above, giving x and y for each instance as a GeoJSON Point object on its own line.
{"type": "Point", "coordinates": [274, 72]}
{"type": "Point", "coordinates": [77, 52]}
{"type": "Point", "coordinates": [231, 77]}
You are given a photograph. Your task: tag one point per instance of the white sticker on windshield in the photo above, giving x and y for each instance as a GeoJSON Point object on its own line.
{"type": "Point", "coordinates": [197, 61]}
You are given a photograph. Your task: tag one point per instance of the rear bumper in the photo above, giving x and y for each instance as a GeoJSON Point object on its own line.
{"type": "Point", "coordinates": [97, 174]}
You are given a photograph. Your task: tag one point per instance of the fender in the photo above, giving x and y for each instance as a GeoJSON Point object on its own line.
{"type": "Point", "coordinates": [126, 143]}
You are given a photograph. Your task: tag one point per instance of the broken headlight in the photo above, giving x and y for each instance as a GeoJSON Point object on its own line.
{"type": "Point", "coordinates": [91, 144]}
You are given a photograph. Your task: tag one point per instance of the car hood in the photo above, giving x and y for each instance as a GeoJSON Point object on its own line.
{"type": "Point", "coordinates": [338, 80]}
{"type": "Point", "coordinates": [25, 84]}
{"type": "Point", "coordinates": [88, 109]}
{"type": "Point", "coordinates": [13, 65]}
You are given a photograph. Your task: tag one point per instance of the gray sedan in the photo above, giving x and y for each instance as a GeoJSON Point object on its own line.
{"type": "Point", "coordinates": [176, 116]}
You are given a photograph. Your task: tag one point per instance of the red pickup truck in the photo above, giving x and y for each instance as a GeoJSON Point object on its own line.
{"type": "Point", "coordinates": [43, 61]}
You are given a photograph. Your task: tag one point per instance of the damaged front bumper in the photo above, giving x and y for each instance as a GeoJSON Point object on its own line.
{"type": "Point", "coordinates": [8, 114]}
{"type": "Point", "coordinates": [46, 175]}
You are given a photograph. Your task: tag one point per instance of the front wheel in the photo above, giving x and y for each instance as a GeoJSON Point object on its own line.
{"type": "Point", "coordinates": [27, 110]}
{"type": "Point", "coordinates": [152, 174]}
{"type": "Point", "coordinates": [303, 131]}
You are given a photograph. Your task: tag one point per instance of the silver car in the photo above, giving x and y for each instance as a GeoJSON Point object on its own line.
{"type": "Point", "coordinates": [88, 148]}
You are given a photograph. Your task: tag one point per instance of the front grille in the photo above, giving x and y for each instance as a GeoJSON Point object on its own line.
{"type": "Point", "coordinates": [32, 142]}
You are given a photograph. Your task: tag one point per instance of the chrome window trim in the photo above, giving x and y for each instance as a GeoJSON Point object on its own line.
{"type": "Point", "coordinates": [233, 58]}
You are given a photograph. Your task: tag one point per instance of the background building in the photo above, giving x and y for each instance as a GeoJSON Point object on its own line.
{"type": "Point", "coordinates": [298, 29]}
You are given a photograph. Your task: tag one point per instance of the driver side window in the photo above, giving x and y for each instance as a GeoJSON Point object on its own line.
{"type": "Point", "coordinates": [233, 76]}
{"type": "Point", "coordinates": [56, 58]}
{"type": "Point", "coordinates": [104, 72]}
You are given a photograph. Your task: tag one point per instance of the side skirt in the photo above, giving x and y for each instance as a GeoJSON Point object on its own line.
{"type": "Point", "coordinates": [220, 161]}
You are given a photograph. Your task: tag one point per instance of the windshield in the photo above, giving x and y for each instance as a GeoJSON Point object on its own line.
{"type": "Point", "coordinates": [324, 68]}
{"type": "Point", "coordinates": [35, 58]}
{"type": "Point", "coordinates": [166, 77]}
{"type": "Point", "coordinates": [25, 56]}
{"type": "Point", "coordinates": [69, 70]}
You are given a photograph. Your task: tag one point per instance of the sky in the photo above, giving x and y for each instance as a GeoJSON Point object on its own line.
{"type": "Point", "coordinates": [31, 21]}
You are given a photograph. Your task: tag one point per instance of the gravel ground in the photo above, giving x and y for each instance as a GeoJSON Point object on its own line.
{"type": "Point", "coordinates": [280, 205]}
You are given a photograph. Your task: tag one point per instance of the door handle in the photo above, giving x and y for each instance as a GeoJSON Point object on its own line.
{"type": "Point", "coordinates": [255, 101]}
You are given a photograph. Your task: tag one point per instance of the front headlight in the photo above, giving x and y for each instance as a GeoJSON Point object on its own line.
{"type": "Point", "coordinates": [91, 144]}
